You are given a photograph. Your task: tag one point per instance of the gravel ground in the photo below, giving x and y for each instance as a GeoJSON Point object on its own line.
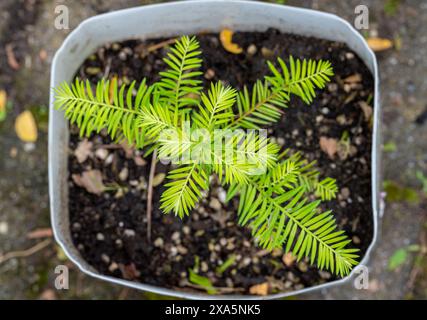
{"type": "Point", "coordinates": [28, 27]}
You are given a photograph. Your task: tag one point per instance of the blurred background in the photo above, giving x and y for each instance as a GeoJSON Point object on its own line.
{"type": "Point", "coordinates": [28, 253]}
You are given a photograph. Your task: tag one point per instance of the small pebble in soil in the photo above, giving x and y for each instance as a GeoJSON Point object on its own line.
{"type": "Point", "coordinates": [302, 266]}
{"type": "Point", "coordinates": [349, 55]}
{"type": "Point", "coordinates": [204, 266]}
{"type": "Point", "coordinates": [109, 159]}
{"type": "Point", "coordinates": [76, 226]}
{"type": "Point", "coordinates": [319, 118]}
{"type": "Point", "coordinates": [356, 240]}
{"type": "Point", "coordinates": [173, 251]}
{"type": "Point", "coordinates": [100, 237]}
{"type": "Point", "coordinates": [199, 233]}
{"type": "Point", "coordinates": [124, 173]}
{"type": "Point", "coordinates": [101, 154]}
{"type": "Point", "coordinates": [129, 233]}
{"type": "Point", "coordinates": [332, 87]}
{"type": "Point", "coordinates": [186, 230]}
{"type": "Point", "coordinates": [341, 120]}
{"type": "Point", "coordinates": [267, 53]}
{"type": "Point", "coordinates": [215, 204]}
{"type": "Point", "coordinates": [182, 250]}
{"type": "Point", "coordinates": [345, 193]}
{"type": "Point", "coordinates": [158, 242]}
{"type": "Point", "coordinates": [222, 195]}
{"type": "Point", "coordinates": [252, 50]}
{"type": "Point", "coordinates": [105, 258]}
{"type": "Point", "coordinates": [119, 243]}
{"type": "Point", "coordinates": [325, 110]}
{"type": "Point", "coordinates": [230, 246]}
{"type": "Point", "coordinates": [209, 74]}
{"type": "Point", "coordinates": [113, 267]}
{"type": "Point", "coordinates": [176, 236]}
{"type": "Point", "coordinates": [324, 274]}
{"type": "Point", "coordinates": [246, 261]}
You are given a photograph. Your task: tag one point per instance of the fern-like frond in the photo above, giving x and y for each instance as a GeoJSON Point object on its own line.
{"type": "Point", "coordinates": [263, 105]}
{"type": "Point", "coordinates": [243, 155]}
{"type": "Point", "coordinates": [215, 108]}
{"type": "Point", "coordinates": [289, 219]}
{"type": "Point", "coordinates": [301, 77]}
{"type": "Point", "coordinates": [179, 86]}
{"type": "Point", "coordinates": [184, 190]}
{"type": "Point", "coordinates": [259, 107]}
{"type": "Point", "coordinates": [112, 108]}
{"type": "Point", "coordinates": [326, 189]}
{"type": "Point", "coordinates": [153, 119]}
{"type": "Point", "coordinates": [283, 176]}
{"type": "Point", "coordinates": [308, 177]}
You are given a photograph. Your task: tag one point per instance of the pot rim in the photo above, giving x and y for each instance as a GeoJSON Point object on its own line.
{"type": "Point", "coordinates": [377, 204]}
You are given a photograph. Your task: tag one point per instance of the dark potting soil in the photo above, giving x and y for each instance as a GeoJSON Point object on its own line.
{"type": "Point", "coordinates": [109, 229]}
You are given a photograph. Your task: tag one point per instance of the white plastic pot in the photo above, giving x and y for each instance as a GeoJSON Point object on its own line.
{"type": "Point", "coordinates": [173, 19]}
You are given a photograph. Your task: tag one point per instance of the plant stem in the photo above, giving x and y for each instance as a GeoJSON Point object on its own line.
{"type": "Point", "coordinates": [150, 193]}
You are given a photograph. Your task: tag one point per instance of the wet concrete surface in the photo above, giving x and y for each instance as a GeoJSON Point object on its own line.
{"type": "Point", "coordinates": [28, 25]}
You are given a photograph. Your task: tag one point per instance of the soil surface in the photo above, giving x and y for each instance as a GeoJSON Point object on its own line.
{"type": "Point", "coordinates": [110, 229]}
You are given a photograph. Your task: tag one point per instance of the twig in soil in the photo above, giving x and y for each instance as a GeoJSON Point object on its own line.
{"type": "Point", "coordinates": [25, 253]}
{"type": "Point", "coordinates": [107, 68]}
{"type": "Point", "coordinates": [150, 193]}
{"type": "Point", "coordinates": [158, 46]}
{"type": "Point", "coordinates": [146, 51]}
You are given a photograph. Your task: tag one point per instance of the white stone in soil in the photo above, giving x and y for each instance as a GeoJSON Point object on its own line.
{"type": "Point", "coordinates": [215, 204]}
{"type": "Point", "coordinates": [158, 242]}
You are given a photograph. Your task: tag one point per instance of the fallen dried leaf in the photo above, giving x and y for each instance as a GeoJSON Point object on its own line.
{"type": "Point", "coordinates": [288, 259]}
{"type": "Point", "coordinates": [379, 44]}
{"type": "Point", "coordinates": [259, 289]}
{"type": "Point", "coordinates": [25, 127]}
{"type": "Point", "coordinates": [91, 180]}
{"type": "Point", "coordinates": [40, 233]}
{"type": "Point", "coordinates": [367, 110]}
{"type": "Point", "coordinates": [43, 54]}
{"type": "Point", "coordinates": [329, 146]}
{"type": "Point", "coordinates": [158, 179]}
{"type": "Point", "coordinates": [354, 78]}
{"type": "Point", "coordinates": [3, 100]}
{"type": "Point", "coordinates": [226, 37]}
{"type": "Point", "coordinates": [11, 60]}
{"type": "Point", "coordinates": [113, 84]}
{"type": "Point", "coordinates": [267, 53]}
{"type": "Point", "coordinates": [83, 150]}
{"type": "Point", "coordinates": [48, 294]}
